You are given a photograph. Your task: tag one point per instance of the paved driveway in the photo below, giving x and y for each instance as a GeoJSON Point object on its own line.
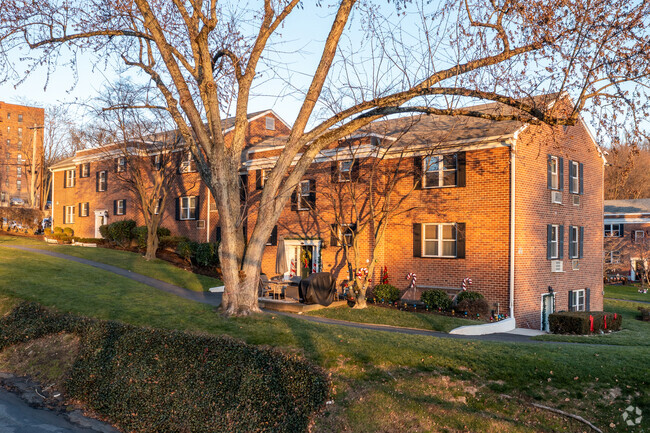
{"type": "Point", "coordinates": [17, 417]}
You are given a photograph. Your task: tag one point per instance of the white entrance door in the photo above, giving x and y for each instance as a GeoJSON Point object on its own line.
{"type": "Point", "coordinates": [302, 257]}
{"type": "Point", "coordinates": [548, 307]}
{"type": "Point", "coordinates": [101, 218]}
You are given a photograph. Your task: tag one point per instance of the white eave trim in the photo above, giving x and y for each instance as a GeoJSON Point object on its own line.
{"type": "Point", "coordinates": [626, 220]}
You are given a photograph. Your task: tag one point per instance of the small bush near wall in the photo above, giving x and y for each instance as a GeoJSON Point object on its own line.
{"type": "Point", "coordinates": [204, 255]}
{"type": "Point", "coordinates": [468, 295]}
{"type": "Point", "coordinates": [140, 234]}
{"type": "Point", "coordinates": [436, 299]}
{"type": "Point", "coordinates": [386, 293]}
{"type": "Point", "coordinates": [119, 232]}
{"type": "Point", "coordinates": [172, 241]}
{"type": "Point", "coordinates": [474, 308]}
{"type": "Point", "coordinates": [579, 322]}
{"type": "Point", "coordinates": [149, 380]}
{"type": "Point", "coordinates": [68, 232]}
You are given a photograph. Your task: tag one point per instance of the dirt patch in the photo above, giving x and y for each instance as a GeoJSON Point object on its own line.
{"type": "Point", "coordinates": [46, 360]}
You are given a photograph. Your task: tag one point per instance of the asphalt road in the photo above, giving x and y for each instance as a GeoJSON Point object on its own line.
{"type": "Point", "coordinates": [17, 417]}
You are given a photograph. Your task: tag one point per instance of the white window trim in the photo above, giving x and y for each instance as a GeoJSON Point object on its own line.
{"type": "Point", "coordinates": [555, 244]}
{"type": "Point", "coordinates": [611, 230]}
{"type": "Point", "coordinates": [69, 178]}
{"type": "Point", "coordinates": [577, 306]}
{"type": "Point", "coordinates": [69, 215]}
{"type": "Point", "coordinates": [344, 175]}
{"type": "Point", "coordinates": [101, 187]}
{"type": "Point", "coordinates": [440, 171]}
{"type": "Point", "coordinates": [555, 175]}
{"type": "Point", "coordinates": [186, 164]}
{"type": "Point", "coordinates": [576, 249]}
{"type": "Point", "coordinates": [85, 170]}
{"type": "Point", "coordinates": [187, 210]}
{"type": "Point", "coordinates": [575, 187]}
{"type": "Point", "coordinates": [639, 234]}
{"type": "Point", "coordinates": [19, 171]}
{"type": "Point", "coordinates": [612, 257]}
{"type": "Point", "coordinates": [440, 239]}
{"type": "Point", "coordinates": [121, 164]}
{"type": "Point", "coordinates": [85, 209]}
{"type": "Point", "coordinates": [270, 123]}
{"type": "Point", "coordinates": [301, 195]}
{"type": "Point", "coordinates": [120, 207]}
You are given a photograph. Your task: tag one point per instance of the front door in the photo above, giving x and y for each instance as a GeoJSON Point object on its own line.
{"type": "Point", "coordinates": [548, 307]}
{"type": "Point", "coordinates": [100, 220]}
{"type": "Point", "coordinates": [302, 257]}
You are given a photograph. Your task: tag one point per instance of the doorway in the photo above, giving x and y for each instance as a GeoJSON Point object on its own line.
{"type": "Point", "coordinates": [548, 308]}
{"type": "Point", "coordinates": [101, 218]}
{"type": "Point", "coordinates": [302, 257]}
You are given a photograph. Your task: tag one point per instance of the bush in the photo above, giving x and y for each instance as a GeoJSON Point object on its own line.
{"type": "Point", "coordinates": [103, 231]}
{"type": "Point", "coordinates": [48, 232]}
{"type": "Point", "coordinates": [477, 307]}
{"type": "Point", "coordinates": [171, 241]}
{"type": "Point", "coordinates": [150, 380]}
{"type": "Point", "coordinates": [386, 293]}
{"type": "Point", "coordinates": [579, 322]}
{"type": "Point", "coordinates": [140, 235]}
{"type": "Point", "coordinates": [468, 295]}
{"type": "Point", "coordinates": [163, 231]}
{"type": "Point", "coordinates": [120, 232]}
{"type": "Point", "coordinates": [436, 299]}
{"type": "Point", "coordinates": [58, 231]}
{"type": "Point", "coordinates": [68, 232]}
{"type": "Point", "coordinates": [199, 254]}
{"type": "Point", "coordinates": [184, 250]}
{"type": "Point", "coordinates": [645, 314]}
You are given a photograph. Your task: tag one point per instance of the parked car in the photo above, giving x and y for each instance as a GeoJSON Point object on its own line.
{"type": "Point", "coordinates": [17, 201]}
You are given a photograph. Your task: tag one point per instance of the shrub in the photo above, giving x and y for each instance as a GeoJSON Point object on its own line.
{"type": "Point", "coordinates": [151, 380]}
{"type": "Point", "coordinates": [48, 231]}
{"type": "Point", "coordinates": [184, 250]}
{"type": "Point", "coordinates": [140, 234]}
{"type": "Point", "coordinates": [68, 232]}
{"type": "Point", "coordinates": [58, 231]}
{"type": "Point", "coordinates": [579, 322]}
{"type": "Point", "coordinates": [386, 293]}
{"type": "Point", "coordinates": [436, 299]}
{"type": "Point", "coordinates": [103, 231]}
{"type": "Point", "coordinates": [645, 314]}
{"type": "Point", "coordinates": [171, 241]}
{"type": "Point", "coordinates": [206, 255]}
{"type": "Point", "coordinates": [468, 295]}
{"type": "Point", "coordinates": [163, 231]}
{"type": "Point", "coordinates": [474, 307]}
{"type": "Point", "coordinates": [120, 232]}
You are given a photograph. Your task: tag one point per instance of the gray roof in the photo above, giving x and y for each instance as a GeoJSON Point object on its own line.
{"type": "Point", "coordinates": [63, 163]}
{"type": "Point", "coordinates": [637, 206]}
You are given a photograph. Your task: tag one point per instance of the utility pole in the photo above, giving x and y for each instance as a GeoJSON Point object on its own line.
{"type": "Point", "coordinates": [32, 192]}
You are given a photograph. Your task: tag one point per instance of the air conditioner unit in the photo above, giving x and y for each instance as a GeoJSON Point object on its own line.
{"type": "Point", "coordinates": [557, 266]}
{"type": "Point", "coordinates": [576, 200]}
{"type": "Point", "coordinates": [575, 264]}
{"type": "Point", "coordinates": [200, 224]}
{"type": "Point", "coordinates": [556, 197]}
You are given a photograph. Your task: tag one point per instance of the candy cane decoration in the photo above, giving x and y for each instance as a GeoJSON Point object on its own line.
{"type": "Point", "coordinates": [466, 283]}
{"type": "Point", "coordinates": [411, 276]}
{"type": "Point", "coordinates": [362, 272]}
{"type": "Point", "coordinates": [292, 272]}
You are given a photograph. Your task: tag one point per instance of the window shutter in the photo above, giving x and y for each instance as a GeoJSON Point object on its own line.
{"type": "Point", "coordinates": [217, 234]}
{"type": "Point", "coordinates": [178, 208]}
{"type": "Point", "coordinates": [462, 164]}
{"type": "Point", "coordinates": [632, 235]}
{"type": "Point", "coordinates": [570, 300]}
{"type": "Point", "coordinates": [582, 235]}
{"type": "Point", "coordinates": [571, 246]}
{"type": "Point", "coordinates": [312, 192]}
{"type": "Point", "coordinates": [273, 239]}
{"type": "Point", "coordinates": [354, 170]}
{"type": "Point", "coordinates": [258, 179]}
{"type": "Point", "coordinates": [560, 163]}
{"type": "Point", "coordinates": [560, 247]}
{"type": "Point", "coordinates": [294, 200]}
{"type": "Point", "coordinates": [582, 189]}
{"type": "Point", "coordinates": [197, 207]}
{"type": "Point", "coordinates": [572, 175]}
{"type": "Point", "coordinates": [417, 240]}
{"type": "Point", "coordinates": [549, 236]}
{"type": "Point", "coordinates": [114, 207]}
{"type": "Point", "coordinates": [460, 240]}
{"type": "Point", "coordinates": [335, 171]}
{"type": "Point", "coordinates": [334, 240]}
{"type": "Point", "coordinates": [79, 209]}
{"type": "Point", "coordinates": [417, 173]}
{"type": "Point", "coordinates": [549, 174]}
{"type": "Point", "coordinates": [124, 208]}
{"type": "Point", "coordinates": [106, 183]}
{"type": "Point", "coordinates": [97, 181]}
{"type": "Point", "coordinates": [587, 299]}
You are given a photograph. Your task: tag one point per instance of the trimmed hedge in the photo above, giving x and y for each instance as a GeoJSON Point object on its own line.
{"type": "Point", "coordinates": [150, 380]}
{"type": "Point", "coordinates": [578, 322]}
{"type": "Point", "coordinates": [436, 299]}
{"type": "Point", "coordinates": [68, 232]}
{"type": "Point", "coordinates": [140, 235]}
{"type": "Point", "coordinates": [386, 293]}
{"type": "Point", "coordinates": [119, 232]}
{"type": "Point", "coordinates": [468, 295]}
{"type": "Point", "coordinates": [171, 241]}
{"type": "Point", "coordinates": [204, 255]}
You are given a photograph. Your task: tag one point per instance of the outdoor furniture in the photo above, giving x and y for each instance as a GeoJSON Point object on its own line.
{"type": "Point", "coordinates": [318, 288]}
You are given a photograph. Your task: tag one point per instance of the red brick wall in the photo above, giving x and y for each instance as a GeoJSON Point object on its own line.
{"type": "Point", "coordinates": [629, 248]}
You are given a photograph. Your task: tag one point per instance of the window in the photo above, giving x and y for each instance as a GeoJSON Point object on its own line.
{"type": "Point", "coordinates": [19, 171]}
{"type": "Point", "coordinates": [20, 117]}
{"type": "Point", "coordinates": [101, 181]}
{"type": "Point", "coordinates": [19, 158]}
{"type": "Point", "coordinates": [638, 235]}
{"type": "Point", "coordinates": [8, 116]}
{"type": "Point", "coordinates": [157, 161]}
{"type": "Point", "coordinates": [346, 232]}
{"type": "Point", "coordinates": [555, 172]}
{"type": "Point", "coordinates": [69, 178]}
{"type": "Point", "coordinates": [612, 257]}
{"type": "Point", "coordinates": [304, 198]}
{"type": "Point", "coordinates": [121, 164]}
{"type": "Point", "coordinates": [19, 185]}
{"type": "Point", "coordinates": [270, 123]}
{"type": "Point", "coordinates": [188, 208]}
{"type": "Point", "coordinates": [614, 230]}
{"type": "Point", "coordinates": [187, 164]}
{"type": "Point", "coordinates": [20, 144]}
{"type": "Point", "coordinates": [85, 170]}
{"type": "Point", "coordinates": [577, 300]}
{"type": "Point", "coordinates": [440, 171]}
{"type": "Point", "coordinates": [554, 242]}
{"type": "Point", "coordinates": [439, 240]}
{"type": "Point", "coordinates": [156, 210]}
{"type": "Point", "coordinates": [575, 170]}
{"type": "Point", "coordinates": [119, 207]}
{"type": "Point", "coordinates": [574, 242]}
{"type": "Point", "coordinates": [84, 209]}
{"type": "Point", "coordinates": [68, 214]}
{"type": "Point", "coordinates": [8, 142]}
{"type": "Point", "coordinates": [20, 132]}
{"type": "Point", "coordinates": [345, 167]}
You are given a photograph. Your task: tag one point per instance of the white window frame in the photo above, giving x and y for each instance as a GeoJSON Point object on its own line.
{"type": "Point", "coordinates": [20, 132]}
{"type": "Point", "coordinates": [440, 170]}
{"type": "Point", "coordinates": [575, 187]}
{"type": "Point", "coordinates": [121, 164]}
{"type": "Point", "coordinates": [638, 234]}
{"type": "Point", "coordinates": [574, 239]}
{"type": "Point", "coordinates": [156, 209]}
{"type": "Point", "coordinates": [19, 158]}
{"type": "Point", "coordinates": [555, 242]}
{"type": "Point", "coordinates": [612, 257]}
{"type": "Point", "coordinates": [101, 185]}
{"type": "Point", "coordinates": [119, 207]}
{"type": "Point", "coordinates": [186, 164]}
{"type": "Point", "coordinates": [270, 123]}
{"type": "Point", "coordinates": [345, 233]}
{"type": "Point", "coordinates": [19, 185]}
{"type": "Point", "coordinates": [579, 300]}
{"type": "Point", "coordinates": [157, 161]}
{"type": "Point", "coordinates": [85, 170]}
{"type": "Point", "coordinates": [609, 230]}
{"type": "Point", "coordinates": [68, 215]}
{"type": "Point", "coordinates": [303, 198]}
{"type": "Point", "coordinates": [555, 174]}
{"type": "Point", "coordinates": [187, 206]}
{"type": "Point", "coordinates": [85, 209]}
{"type": "Point", "coordinates": [345, 168]}
{"type": "Point", "coordinates": [69, 178]}
{"type": "Point", "coordinates": [19, 171]}
{"type": "Point", "coordinates": [439, 240]}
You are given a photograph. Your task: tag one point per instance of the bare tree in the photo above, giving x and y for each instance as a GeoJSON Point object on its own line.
{"type": "Point", "coordinates": [206, 57]}
{"type": "Point", "coordinates": [58, 142]}
{"type": "Point", "coordinates": [627, 175]}
{"type": "Point", "coordinates": [622, 249]}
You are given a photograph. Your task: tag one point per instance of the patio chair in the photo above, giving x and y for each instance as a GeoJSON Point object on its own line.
{"type": "Point", "coordinates": [264, 286]}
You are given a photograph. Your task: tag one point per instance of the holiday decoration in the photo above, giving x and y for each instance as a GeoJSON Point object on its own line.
{"type": "Point", "coordinates": [466, 283]}
{"type": "Point", "coordinates": [384, 277]}
{"type": "Point", "coordinates": [413, 278]}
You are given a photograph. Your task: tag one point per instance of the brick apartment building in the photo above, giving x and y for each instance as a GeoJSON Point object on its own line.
{"type": "Point", "coordinates": [627, 237]}
{"type": "Point", "coordinates": [17, 151]}
{"type": "Point", "coordinates": [515, 207]}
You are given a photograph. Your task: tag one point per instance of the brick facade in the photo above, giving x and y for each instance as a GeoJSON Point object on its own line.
{"type": "Point", "coordinates": [16, 152]}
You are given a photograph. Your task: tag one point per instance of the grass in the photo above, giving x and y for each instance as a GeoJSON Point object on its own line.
{"type": "Point", "coordinates": [630, 293]}
{"type": "Point", "coordinates": [381, 381]}
{"type": "Point", "coordinates": [388, 316]}
{"type": "Point", "coordinates": [133, 262]}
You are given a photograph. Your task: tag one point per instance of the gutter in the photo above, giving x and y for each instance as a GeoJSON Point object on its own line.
{"type": "Point", "coordinates": [511, 297]}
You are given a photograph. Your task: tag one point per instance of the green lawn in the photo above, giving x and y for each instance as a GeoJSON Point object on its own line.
{"type": "Point", "coordinates": [381, 381]}
{"type": "Point", "coordinates": [133, 262]}
{"type": "Point", "coordinates": [630, 293]}
{"type": "Point", "coordinates": [388, 316]}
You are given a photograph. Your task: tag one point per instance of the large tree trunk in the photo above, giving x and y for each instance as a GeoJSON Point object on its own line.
{"type": "Point", "coordinates": [152, 243]}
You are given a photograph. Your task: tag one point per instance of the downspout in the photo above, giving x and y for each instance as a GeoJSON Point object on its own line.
{"type": "Point", "coordinates": [512, 229]}
{"type": "Point", "coordinates": [53, 202]}
{"type": "Point", "coordinates": [207, 226]}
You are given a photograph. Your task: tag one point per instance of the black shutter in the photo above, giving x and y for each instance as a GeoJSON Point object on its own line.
{"type": "Point", "coordinates": [549, 173]}
{"type": "Point", "coordinates": [97, 181]}
{"type": "Point", "coordinates": [334, 239]}
{"type": "Point", "coordinates": [632, 232]}
{"type": "Point", "coordinates": [582, 188]}
{"type": "Point", "coordinates": [106, 182]}
{"type": "Point", "coordinates": [294, 200]}
{"type": "Point", "coordinates": [217, 234]}
{"type": "Point", "coordinates": [570, 300]}
{"type": "Point", "coordinates": [114, 207]}
{"type": "Point", "coordinates": [560, 163]}
{"type": "Point", "coordinates": [572, 175]}
{"type": "Point", "coordinates": [197, 207]}
{"type": "Point", "coordinates": [571, 246]}
{"type": "Point", "coordinates": [462, 169]}
{"type": "Point", "coordinates": [582, 235]}
{"type": "Point", "coordinates": [417, 240]}
{"type": "Point", "coordinates": [80, 209]}
{"type": "Point", "coordinates": [124, 207]}
{"type": "Point", "coordinates": [273, 239]}
{"type": "Point", "coordinates": [417, 173]}
{"type": "Point", "coordinates": [258, 179]}
{"type": "Point", "coordinates": [549, 236]}
{"type": "Point", "coordinates": [335, 171]}
{"type": "Point", "coordinates": [312, 192]}
{"type": "Point", "coordinates": [560, 247]}
{"type": "Point", "coordinates": [354, 171]}
{"type": "Point", "coordinates": [460, 240]}
{"type": "Point", "coordinates": [178, 208]}
{"type": "Point", "coordinates": [587, 299]}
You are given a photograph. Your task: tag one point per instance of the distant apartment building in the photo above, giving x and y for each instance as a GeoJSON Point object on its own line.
{"type": "Point", "coordinates": [21, 152]}
{"type": "Point", "coordinates": [627, 238]}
